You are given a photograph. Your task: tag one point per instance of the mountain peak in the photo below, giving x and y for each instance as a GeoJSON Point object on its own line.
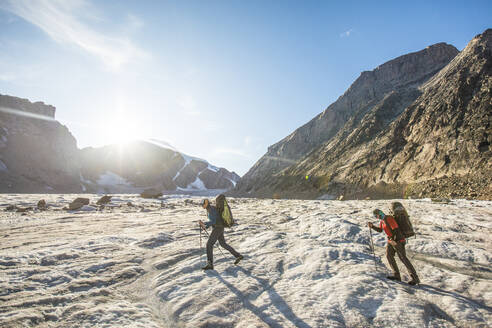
{"type": "Point", "coordinates": [22, 105]}
{"type": "Point", "coordinates": [487, 34]}
{"type": "Point", "coordinates": [404, 74]}
{"type": "Point", "coordinates": [421, 120]}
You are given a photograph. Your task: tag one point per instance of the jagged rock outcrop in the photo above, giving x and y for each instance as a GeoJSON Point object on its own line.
{"type": "Point", "coordinates": [396, 81]}
{"type": "Point", "coordinates": [141, 165]}
{"type": "Point", "coordinates": [11, 104]}
{"type": "Point", "coordinates": [37, 153]}
{"type": "Point", "coordinates": [436, 145]}
{"type": "Point", "coordinates": [218, 179]}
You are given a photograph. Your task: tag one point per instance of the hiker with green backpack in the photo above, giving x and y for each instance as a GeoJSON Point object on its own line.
{"type": "Point", "coordinates": [397, 227]}
{"type": "Point", "coordinates": [219, 216]}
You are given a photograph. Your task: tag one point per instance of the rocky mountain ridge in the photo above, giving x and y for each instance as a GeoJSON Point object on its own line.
{"type": "Point", "coordinates": [402, 75]}
{"type": "Point", "coordinates": [40, 155]}
{"type": "Point", "coordinates": [429, 139]}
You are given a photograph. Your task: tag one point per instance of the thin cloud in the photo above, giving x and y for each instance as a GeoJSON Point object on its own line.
{"type": "Point", "coordinates": [347, 33]}
{"type": "Point", "coordinates": [61, 20]}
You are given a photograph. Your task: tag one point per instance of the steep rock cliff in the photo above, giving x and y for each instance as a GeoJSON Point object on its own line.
{"type": "Point", "coordinates": [400, 77]}
{"type": "Point", "coordinates": [37, 153]}
{"type": "Point", "coordinates": [439, 145]}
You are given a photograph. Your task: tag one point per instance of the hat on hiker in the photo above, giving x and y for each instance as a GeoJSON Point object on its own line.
{"type": "Point", "coordinates": [377, 212]}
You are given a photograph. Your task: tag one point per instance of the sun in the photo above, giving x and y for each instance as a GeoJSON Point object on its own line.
{"type": "Point", "coordinates": [122, 130]}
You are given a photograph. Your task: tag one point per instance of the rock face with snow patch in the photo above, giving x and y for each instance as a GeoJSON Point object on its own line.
{"type": "Point", "coordinates": [139, 165]}
{"type": "Point", "coordinates": [37, 153]}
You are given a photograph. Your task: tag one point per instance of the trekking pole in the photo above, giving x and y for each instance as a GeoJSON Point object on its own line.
{"type": "Point", "coordinates": [201, 245]}
{"type": "Point", "coordinates": [372, 248]}
{"type": "Point", "coordinates": [208, 236]}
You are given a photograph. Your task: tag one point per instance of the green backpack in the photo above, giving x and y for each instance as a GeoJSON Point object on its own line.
{"type": "Point", "coordinates": [224, 210]}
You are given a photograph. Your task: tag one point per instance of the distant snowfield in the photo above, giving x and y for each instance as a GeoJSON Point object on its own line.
{"type": "Point", "coordinates": [307, 264]}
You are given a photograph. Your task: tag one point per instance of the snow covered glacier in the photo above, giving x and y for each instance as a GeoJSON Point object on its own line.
{"type": "Point", "coordinates": [136, 263]}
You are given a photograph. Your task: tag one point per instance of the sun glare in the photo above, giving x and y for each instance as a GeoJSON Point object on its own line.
{"type": "Point", "coordinates": [122, 130]}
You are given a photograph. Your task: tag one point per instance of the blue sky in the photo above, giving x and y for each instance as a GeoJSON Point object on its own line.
{"type": "Point", "coordinates": [221, 80]}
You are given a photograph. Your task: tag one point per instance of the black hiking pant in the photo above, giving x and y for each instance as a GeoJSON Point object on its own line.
{"type": "Point", "coordinates": [400, 250]}
{"type": "Point", "coordinates": [218, 234]}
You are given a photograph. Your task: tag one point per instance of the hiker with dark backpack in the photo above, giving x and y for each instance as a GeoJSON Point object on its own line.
{"type": "Point", "coordinates": [396, 241]}
{"type": "Point", "coordinates": [217, 221]}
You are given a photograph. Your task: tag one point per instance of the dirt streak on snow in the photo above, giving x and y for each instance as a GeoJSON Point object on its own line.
{"type": "Point", "coordinates": [307, 264]}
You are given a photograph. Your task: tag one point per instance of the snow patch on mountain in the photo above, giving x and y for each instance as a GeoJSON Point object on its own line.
{"type": "Point", "coordinates": [189, 158]}
{"type": "Point", "coordinates": [166, 145]}
{"type": "Point", "coordinates": [112, 179]}
{"type": "Point", "coordinates": [197, 184]}
{"type": "Point", "coordinates": [84, 180]}
{"type": "Point", "coordinates": [3, 167]}
{"type": "Point", "coordinates": [3, 137]}
{"type": "Point", "coordinates": [214, 168]}
{"type": "Point", "coordinates": [232, 181]}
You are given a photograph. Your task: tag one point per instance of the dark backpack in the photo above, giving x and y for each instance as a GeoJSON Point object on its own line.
{"type": "Point", "coordinates": [224, 210]}
{"type": "Point", "coordinates": [402, 219]}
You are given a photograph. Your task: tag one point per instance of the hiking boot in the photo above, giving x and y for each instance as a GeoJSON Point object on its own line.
{"type": "Point", "coordinates": [209, 266]}
{"type": "Point", "coordinates": [238, 259]}
{"type": "Point", "coordinates": [394, 277]}
{"type": "Point", "coordinates": [415, 281]}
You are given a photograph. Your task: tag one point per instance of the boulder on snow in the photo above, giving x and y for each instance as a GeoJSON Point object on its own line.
{"type": "Point", "coordinates": [41, 205]}
{"type": "Point", "coordinates": [78, 203]}
{"type": "Point", "coordinates": [11, 208]}
{"type": "Point", "coordinates": [442, 200]}
{"type": "Point", "coordinates": [74, 206]}
{"type": "Point", "coordinates": [151, 193]}
{"type": "Point", "coordinates": [104, 200]}
{"type": "Point", "coordinates": [82, 200]}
